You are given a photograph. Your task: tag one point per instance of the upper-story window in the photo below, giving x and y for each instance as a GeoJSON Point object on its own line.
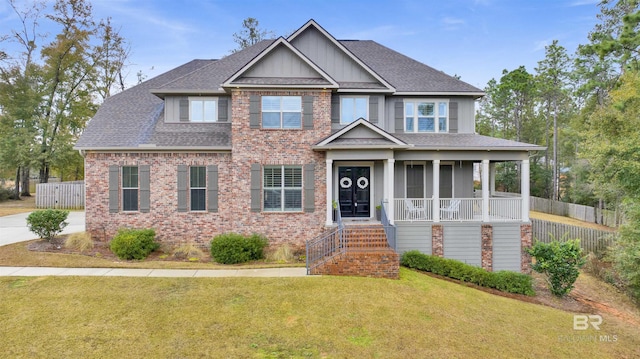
{"type": "Point", "coordinates": [202, 109]}
{"type": "Point", "coordinates": [281, 112]}
{"type": "Point", "coordinates": [426, 116]}
{"type": "Point", "coordinates": [353, 108]}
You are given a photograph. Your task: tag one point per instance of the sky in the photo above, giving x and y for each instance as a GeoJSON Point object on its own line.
{"type": "Point", "coordinates": [474, 39]}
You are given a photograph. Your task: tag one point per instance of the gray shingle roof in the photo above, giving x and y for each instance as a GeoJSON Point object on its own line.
{"type": "Point", "coordinates": [133, 118]}
{"type": "Point", "coordinates": [127, 119]}
{"type": "Point", "coordinates": [405, 73]}
{"type": "Point", "coordinates": [462, 141]}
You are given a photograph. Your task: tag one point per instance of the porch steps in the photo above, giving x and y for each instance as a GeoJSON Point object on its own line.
{"type": "Point", "coordinates": [367, 255]}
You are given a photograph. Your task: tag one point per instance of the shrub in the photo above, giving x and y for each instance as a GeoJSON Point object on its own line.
{"type": "Point", "coordinates": [281, 254]}
{"type": "Point", "coordinates": [134, 243]}
{"type": "Point", "coordinates": [232, 248]}
{"type": "Point", "coordinates": [47, 223]}
{"type": "Point", "coordinates": [188, 251]}
{"type": "Point", "coordinates": [559, 262]}
{"type": "Point", "coordinates": [6, 194]}
{"type": "Point", "coordinates": [79, 241]}
{"type": "Point", "coordinates": [505, 281]}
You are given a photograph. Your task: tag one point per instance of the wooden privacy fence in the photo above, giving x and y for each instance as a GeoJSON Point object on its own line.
{"type": "Point", "coordinates": [577, 211]}
{"type": "Point", "coordinates": [591, 240]}
{"type": "Point", "coordinates": [63, 195]}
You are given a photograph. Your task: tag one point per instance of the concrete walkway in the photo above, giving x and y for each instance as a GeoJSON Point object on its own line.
{"type": "Point", "coordinates": [13, 228]}
{"type": "Point", "coordinates": [166, 273]}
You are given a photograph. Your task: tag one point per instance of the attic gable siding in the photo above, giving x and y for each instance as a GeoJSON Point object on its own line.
{"type": "Point", "coordinates": [281, 62]}
{"type": "Point", "coordinates": [330, 58]}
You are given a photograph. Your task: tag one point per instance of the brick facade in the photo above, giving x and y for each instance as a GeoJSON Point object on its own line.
{"type": "Point", "coordinates": [377, 264]}
{"type": "Point", "coordinates": [487, 247]}
{"type": "Point", "coordinates": [437, 240]}
{"type": "Point", "coordinates": [526, 241]}
{"type": "Point", "coordinates": [249, 146]}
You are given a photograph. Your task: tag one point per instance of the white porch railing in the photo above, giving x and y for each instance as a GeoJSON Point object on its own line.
{"type": "Point", "coordinates": [505, 209]}
{"type": "Point", "coordinates": [458, 210]}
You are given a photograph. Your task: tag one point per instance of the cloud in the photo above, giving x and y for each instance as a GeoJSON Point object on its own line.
{"type": "Point", "coordinates": [452, 23]}
{"type": "Point", "coordinates": [540, 45]}
{"type": "Point", "coordinates": [583, 3]}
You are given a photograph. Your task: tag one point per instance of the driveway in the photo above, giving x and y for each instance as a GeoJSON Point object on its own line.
{"type": "Point", "coordinates": [13, 229]}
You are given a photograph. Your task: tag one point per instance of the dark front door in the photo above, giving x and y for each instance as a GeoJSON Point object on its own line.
{"type": "Point", "coordinates": [354, 191]}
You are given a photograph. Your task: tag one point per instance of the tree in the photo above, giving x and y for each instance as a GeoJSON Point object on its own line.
{"type": "Point", "coordinates": [80, 67]}
{"type": "Point", "coordinates": [250, 35]}
{"type": "Point", "coordinates": [553, 75]}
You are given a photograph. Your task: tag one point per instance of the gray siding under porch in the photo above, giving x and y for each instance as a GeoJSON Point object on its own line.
{"type": "Point", "coordinates": [506, 247]}
{"type": "Point", "coordinates": [413, 236]}
{"type": "Point", "coordinates": [463, 242]}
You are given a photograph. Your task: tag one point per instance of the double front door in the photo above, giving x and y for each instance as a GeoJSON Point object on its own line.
{"type": "Point", "coordinates": [354, 191]}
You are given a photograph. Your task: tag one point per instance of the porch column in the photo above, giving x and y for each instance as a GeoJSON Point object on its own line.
{"type": "Point", "coordinates": [492, 178]}
{"type": "Point", "coordinates": [485, 190]}
{"type": "Point", "coordinates": [329, 180]}
{"type": "Point", "coordinates": [436, 191]}
{"type": "Point", "coordinates": [390, 190]}
{"type": "Point", "coordinates": [524, 189]}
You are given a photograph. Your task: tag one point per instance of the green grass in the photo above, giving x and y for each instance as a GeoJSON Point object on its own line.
{"type": "Point", "coordinates": [322, 317]}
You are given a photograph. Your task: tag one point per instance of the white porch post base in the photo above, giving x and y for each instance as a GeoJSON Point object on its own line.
{"type": "Point", "coordinates": [329, 180]}
{"type": "Point", "coordinates": [524, 190]}
{"type": "Point", "coordinates": [436, 191]}
{"type": "Point", "coordinates": [390, 179]}
{"type": "Point", "coordinates": [485, 190]}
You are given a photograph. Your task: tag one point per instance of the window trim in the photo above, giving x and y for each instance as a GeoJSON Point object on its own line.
{"type": "Point", "coordinates": [123, 188]}
{"type": "Point", "coordinates": [281, 112]}
{"type": "Point", "coordinates": [436, 116]}
{"type": "Point", "coordinates": [192, 99]}
{"type": "Point", "coordinates": [283, 188]}
{"type": "Point", "coordinates": [190, 190]}
{"type": "Point", "coordinates": [354, 97]}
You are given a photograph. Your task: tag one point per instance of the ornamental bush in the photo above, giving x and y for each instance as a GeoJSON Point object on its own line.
{"type": "Point", "coordinates": [232, 248]}
{"type": "Point", "coordinates": [47, 223]}
{"type": "Point", "coordinates": [504, 281]}
{"type": "Point", "coordinates": [559, 262]}
{"type": "Point", "coordinates": [134, 243]}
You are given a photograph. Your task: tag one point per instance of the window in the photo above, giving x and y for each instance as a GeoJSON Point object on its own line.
{"type": "Point", "coordinates": [426, 116]}
{"type": "Point", "coordinates": [129, 188]}
{"type": "Point", "coordinates": [202, 109]}
{"type": "Point", "coordinates": [198, 188]}
{"type": "Point", "coordinates": [415, 181]}
{"type": "Point", "coordinates": [282, 188]}
{"type": "Point", "coordinates": [353, 108]}
{"type": "Point", "coordinates": [281, 112]}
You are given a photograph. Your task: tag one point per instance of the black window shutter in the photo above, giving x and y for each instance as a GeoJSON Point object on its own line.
{"type": "Point", "coordinates": [223, 104]}
{"type": "Point", "coordinates": [212, 187]}
{"type": "Point", "coordinates": [114, 188]}
{"type": "Point", "coordinates": [373, 109]}
{"type": "Point", "coordinates": [184, 109]}
{"type": "Point", "coordinates": [399, 116]}
{"type": "Point", "coordinates": [254, 111]}
{"type": "Point", "coordinates": [335, 108]}
{"type": "Point", "coordinates": [256, 187]}
{"type": "Point", "coordinates": [309, 188]}
{"type": "Point", "coordinates": [145, 188]}
{"type": "Point", "coordinates": [182, 187]}
{"type": "Point", "coordinates": [453, 117]}
{"type": "Point", "coordinates": [307, 112]}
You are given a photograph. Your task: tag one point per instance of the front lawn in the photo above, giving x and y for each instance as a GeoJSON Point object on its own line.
{"type": "Point", "coordinates": [332, 317]}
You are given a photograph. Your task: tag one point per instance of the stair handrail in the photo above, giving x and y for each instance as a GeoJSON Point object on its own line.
{"type": "Point", "coordinates": [326, 246]}
{"type": "Point", "coordinates": [389, 229]}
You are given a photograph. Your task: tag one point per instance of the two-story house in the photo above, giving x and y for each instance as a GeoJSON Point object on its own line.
{"type": "Point", "coordinates": [270, 139]}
